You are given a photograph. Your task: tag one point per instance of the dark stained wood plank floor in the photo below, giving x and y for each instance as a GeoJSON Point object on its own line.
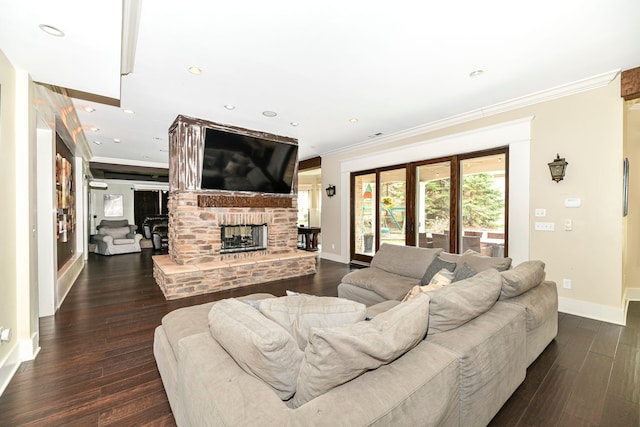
{"type": "Point", "coordinates": [96, 366]}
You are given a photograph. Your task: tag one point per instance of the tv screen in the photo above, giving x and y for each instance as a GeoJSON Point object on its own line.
{"type": "Point", "coordinates": [236, 162]}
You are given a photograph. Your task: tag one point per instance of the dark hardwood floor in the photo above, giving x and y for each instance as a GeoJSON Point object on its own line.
{"type": "Point", "coordinates": [96, 366]}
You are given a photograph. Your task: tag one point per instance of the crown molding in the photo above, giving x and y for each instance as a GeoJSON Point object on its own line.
{"type": "Point", "coordinates": [568, 89]}
{"type": "Point", "coordinates": [126, 162]}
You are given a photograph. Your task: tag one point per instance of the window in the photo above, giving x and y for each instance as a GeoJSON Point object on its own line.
{"type": "Point", "coordinates": [455, 203]}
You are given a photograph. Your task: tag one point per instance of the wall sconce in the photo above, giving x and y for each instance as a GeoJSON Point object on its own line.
{"type": "Point", "coordinates": [557, 168]}
{"type": "Point", "coordinates": [331, 190]}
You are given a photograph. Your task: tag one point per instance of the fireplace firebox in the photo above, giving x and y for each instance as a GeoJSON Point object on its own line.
{"type": "Point", "coordinates": [243, 238]}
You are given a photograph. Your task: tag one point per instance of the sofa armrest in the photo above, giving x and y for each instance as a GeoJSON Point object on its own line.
{"type": "Point", "coordinates": [103, 238]}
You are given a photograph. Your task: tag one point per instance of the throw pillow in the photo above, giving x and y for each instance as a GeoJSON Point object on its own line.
{"type": "Point", "coordinates": [340, 354]}
{"type": "Point", "coordinates": [298, 314]}
{"type": "Point", "coordinates": [456, 304]}
{"type": "Point", "coordinates": [437, 265]}
{"type": "Point", "coordinates": [463, 272]}
{"type": "Point", "coordinates": [440, 280]}
{"type": "Point", "coordinates": [522, 278]}
{"type": "Point", "coordinates": [258, 345]}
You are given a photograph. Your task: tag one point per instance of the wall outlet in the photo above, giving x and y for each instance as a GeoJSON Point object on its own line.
{"type": "Point", "coordinates": [566, 283]}
{"type": "Point", "coordinates": [540, 212]}
{"type": "Point", "coordinates": [545, 226]}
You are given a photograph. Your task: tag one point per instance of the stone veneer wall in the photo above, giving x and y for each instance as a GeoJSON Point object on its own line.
{"type": "Point", "coordinates": [194, 264]}
{"type": "Point", "coordinates": [195, 235]}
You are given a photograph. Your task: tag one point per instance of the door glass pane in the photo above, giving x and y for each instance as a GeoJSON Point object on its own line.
{"type": "Point", "coordinates": [483, 205]}
{"type": "Point", "coordinates": [433, 205]}
{"type": "Point", "coordinates": [365, 214]}
{"type": "Point", "coordinates": [393, 195]}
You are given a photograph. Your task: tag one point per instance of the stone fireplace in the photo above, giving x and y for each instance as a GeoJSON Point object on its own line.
{"type": "Point", "coordinates": [223, 239]}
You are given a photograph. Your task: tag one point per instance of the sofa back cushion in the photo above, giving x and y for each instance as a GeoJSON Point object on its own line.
{"type": "Point", "coordinates": [479, 262]}
{"type": "Point", "coordinates": [115, 232]}
{"type": "Point", "coordinates": [258, 345]}
{"type": "Point", "coordinates": [457, 303]}
{"type": "Point", "coordinates": [404, 260]}
{"type": "Point", "coordinates": [114, 223]}
{"type": "Point", "coordinates": [298, 314]}
{"type": "Point", "coordinates": [523, 277]}
{"type": "Point", "coordinates": [339, 354]}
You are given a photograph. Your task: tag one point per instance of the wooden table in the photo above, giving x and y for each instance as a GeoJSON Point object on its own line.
{"type": "Point", "coordinates": [310, 237]}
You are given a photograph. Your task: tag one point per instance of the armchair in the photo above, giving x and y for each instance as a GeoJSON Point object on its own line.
{"type": "Point", "coordinates": [117, 237]}
{"type": "Point", "coordinates": [156, 228]}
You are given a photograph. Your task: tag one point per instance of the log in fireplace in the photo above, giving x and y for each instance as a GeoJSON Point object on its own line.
{"type": "Point", "coordinates": [243, 238]}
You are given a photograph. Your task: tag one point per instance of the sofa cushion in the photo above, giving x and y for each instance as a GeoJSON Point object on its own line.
{"type": "Point", "coordinates": [460, 302]}
{"type": "Point", "coordinates": [404, 260]}
{"type": "Point", "coordinates": [115, 232]}
{"type": "Point", "coordinates": [339, 354]}
{"type": "Point", "coordinates": [479, 262]}
{"type": "Point", "coordinates": [298, 314]}
{"type": "Point", "coordinates": [520, 279]}
{"type": "Point", "coordinates": [123, 241]}
{"type": "Point", "coordinates": [383, 283]}
{"type": "Point", "coordinates": [435, 267]}
{"type": "Point", "coordinates": [260, 346]}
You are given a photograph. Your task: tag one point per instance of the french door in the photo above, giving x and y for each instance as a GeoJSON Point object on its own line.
{"type": "Point", "coordinates": [455, 203]}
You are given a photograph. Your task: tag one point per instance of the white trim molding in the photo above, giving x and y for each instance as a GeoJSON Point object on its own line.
{"type": "Point", "coordinates": [584, 85]}
{"type": "Point", "coordinates": [8, 367]}
{"type": "Point", "coordinates": [515, 134]}
{"type": "Point", "coordinates": [590, 310]}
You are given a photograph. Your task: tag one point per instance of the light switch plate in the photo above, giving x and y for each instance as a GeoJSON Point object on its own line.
{"type": "Point", "coordinates": [539, 212]}
{"type": "Point", "coordinates": [545, 226]}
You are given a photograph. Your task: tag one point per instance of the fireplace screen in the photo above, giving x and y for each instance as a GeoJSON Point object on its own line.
{"type": "Point", "coordinates": [243, 238]}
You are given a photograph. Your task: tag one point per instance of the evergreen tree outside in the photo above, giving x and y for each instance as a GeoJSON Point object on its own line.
{"type": "Point", "coordinates": [483, 203]}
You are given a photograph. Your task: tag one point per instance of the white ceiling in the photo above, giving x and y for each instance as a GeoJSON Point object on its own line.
{"type": "Point", "coordinates": [393, 66]}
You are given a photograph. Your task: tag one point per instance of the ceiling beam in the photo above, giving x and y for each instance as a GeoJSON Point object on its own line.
{"type": "Point", "coordinates": [630, 84]}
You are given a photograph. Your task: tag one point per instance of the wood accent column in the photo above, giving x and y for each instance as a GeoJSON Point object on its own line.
{"type": "Point", "coordinates": [630, 84]}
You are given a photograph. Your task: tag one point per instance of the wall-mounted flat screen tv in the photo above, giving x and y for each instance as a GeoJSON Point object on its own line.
{"type": "Point", "coordinates": [236, 162]}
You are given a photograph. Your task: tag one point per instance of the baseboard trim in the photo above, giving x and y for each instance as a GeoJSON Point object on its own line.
{"type": "Point", "coordinates": [632, 294]}
{"type": "Point", "coordinates": [8, 367]}
{"type": "Point", "coordinates": [592, 311]}
{"type": "Point", "coordinates": [331, 257]}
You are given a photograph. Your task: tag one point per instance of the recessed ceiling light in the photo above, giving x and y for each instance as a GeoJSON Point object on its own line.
{"type": "Point", "coordinates": [294, 124]}
{"type": "Point", "coordinates": [94, 129]}
{"type": "Point", "coordinates": [97, 142]}
{"type": "Point", "coordinates": [157, 138]}
{"type": "Point", "coordinates": [116, 140]}
{"type": "Point", "coordinates": [476, 73]}
{"type": "Point", "coordinates": [195, 70]}
{"type": "Point", "coordinates": [269, 113]}
{"type": "Point", "coordinates": [230, 107]}
{"type": "Point", "coordinates": [89, 109]}
{"type": "Point", "coordinates": [51, 30]}
{"type": "Point", "coordinates": [353, 120]}
{"type": "Point", "coordinates": [128, 111]}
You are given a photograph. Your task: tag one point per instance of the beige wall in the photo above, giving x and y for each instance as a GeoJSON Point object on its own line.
{"type": "Point", "coordinates": [586, 129]}
{"type": "Point", "coordinates": [8, 283]}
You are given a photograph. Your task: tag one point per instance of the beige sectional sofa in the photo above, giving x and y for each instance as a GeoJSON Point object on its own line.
{"type": "Point", "coordinates": [481, 334]}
